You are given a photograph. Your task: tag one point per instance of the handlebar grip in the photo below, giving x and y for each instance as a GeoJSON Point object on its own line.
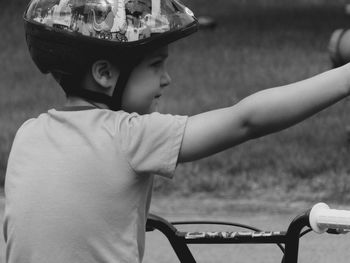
{"type": "Point", "coordinates": [322, 218]}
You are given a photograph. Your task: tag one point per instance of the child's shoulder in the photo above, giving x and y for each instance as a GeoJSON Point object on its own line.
{"type": "Point", "coordinates": [93, 119]}
{"type": "Point", "coordinates": [27, 123]}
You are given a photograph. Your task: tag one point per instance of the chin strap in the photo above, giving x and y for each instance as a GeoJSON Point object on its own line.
{"type": "Point", "coordinates": [116, 99]}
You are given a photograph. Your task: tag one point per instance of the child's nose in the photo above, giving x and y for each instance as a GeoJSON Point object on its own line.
{"type": "Point", "coordinates": [165, 80]}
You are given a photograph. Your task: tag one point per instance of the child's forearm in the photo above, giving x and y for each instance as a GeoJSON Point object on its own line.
{"type": "Point", "coordinates": [274, 109]}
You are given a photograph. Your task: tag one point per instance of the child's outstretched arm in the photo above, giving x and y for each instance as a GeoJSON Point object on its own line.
{"type": "Point", "coordinates": [262, 113]}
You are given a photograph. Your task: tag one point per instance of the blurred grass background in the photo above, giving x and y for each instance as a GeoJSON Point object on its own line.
{"type": "Point", "coordinates": [257, 44]}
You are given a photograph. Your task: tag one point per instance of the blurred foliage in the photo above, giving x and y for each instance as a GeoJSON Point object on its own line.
{"type": "Point", "coordinates": [256, 45]}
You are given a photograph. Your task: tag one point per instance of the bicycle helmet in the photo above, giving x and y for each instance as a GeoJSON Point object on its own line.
{"type": "Point", "coordinates": [65, 36]}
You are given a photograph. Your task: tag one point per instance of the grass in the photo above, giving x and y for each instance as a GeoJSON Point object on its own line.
{"type": "Point", "coordinates": [257, 44]}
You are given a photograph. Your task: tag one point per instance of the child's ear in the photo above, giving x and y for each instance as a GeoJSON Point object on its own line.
{"type": "Point", "coordinates": [104, 73]}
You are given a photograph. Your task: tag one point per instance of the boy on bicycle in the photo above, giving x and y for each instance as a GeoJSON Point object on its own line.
{"type": "Point", "coordinates": [79, 179]}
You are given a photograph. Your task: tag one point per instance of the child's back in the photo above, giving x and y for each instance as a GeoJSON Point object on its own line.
{"type": "Point", "coordinates": [79, 184]}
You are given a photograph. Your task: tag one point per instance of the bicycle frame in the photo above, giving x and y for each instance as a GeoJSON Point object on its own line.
{"type": "Point", "coordinates": [180, 240]}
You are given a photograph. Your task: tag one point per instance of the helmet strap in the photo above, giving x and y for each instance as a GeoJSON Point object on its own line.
{"type": "Point", "coordinates": [123, 79]}
{"type": "Point", "coordinates": [92, 96]}
{"type": "Point", "coordinates": [71, 88]}
{"type": "Point", "coordinates": [117, 97]}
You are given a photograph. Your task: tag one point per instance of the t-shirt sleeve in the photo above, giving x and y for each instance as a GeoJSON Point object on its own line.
{"type": "Point", "coordinates": [152, 142]}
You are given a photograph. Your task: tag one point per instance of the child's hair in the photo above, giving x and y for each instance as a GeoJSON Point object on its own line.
{"type": "Point", "coordinates": [65, 40]}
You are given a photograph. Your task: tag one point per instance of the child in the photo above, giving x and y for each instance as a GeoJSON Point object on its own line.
{"type": "Point", "coordinates": [79, 179]}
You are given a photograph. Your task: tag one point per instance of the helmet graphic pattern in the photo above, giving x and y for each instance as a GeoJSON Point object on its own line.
{"type": "Point", "coordinates": [114, 20]}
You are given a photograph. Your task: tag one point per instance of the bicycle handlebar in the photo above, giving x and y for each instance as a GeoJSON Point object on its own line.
{"type": "Point", "coordinates": [320, 218]}
{"type": "Point", "coordinates": [323, 218]}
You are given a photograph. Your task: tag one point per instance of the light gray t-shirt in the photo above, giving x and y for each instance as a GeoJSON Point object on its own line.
{"type": "Point", "coordinates": [79, 182]}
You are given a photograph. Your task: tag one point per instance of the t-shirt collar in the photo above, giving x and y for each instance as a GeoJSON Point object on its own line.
{"type": "Point", "coordinates": [76, 108]}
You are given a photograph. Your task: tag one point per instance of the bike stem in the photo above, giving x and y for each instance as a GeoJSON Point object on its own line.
{"type": "Point", "coordinates": [292, 237]}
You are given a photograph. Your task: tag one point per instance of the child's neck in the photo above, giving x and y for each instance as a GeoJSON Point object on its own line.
{"type": "Point", "coordinates": [76, 101]}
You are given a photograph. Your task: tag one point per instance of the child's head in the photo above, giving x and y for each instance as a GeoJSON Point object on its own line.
{"type": "Point", "coordinates": [119, 64]}
{"type": "Point", "coordinates": [145, 85]}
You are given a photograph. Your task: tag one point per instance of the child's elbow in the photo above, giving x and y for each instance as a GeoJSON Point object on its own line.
{"type": "Point", "coordinates": [251, 131]}
{"type": "Point", "coordinates": [252, 128]}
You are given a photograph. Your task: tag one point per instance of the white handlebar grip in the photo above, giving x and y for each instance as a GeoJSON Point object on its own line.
{"type": "Point", "coordinates": [322, 217]}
